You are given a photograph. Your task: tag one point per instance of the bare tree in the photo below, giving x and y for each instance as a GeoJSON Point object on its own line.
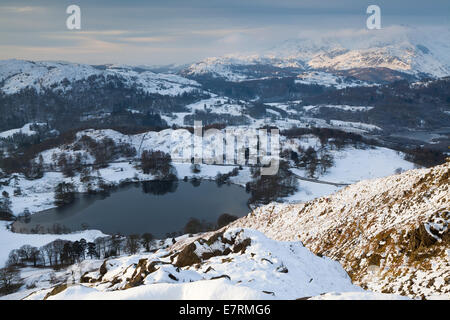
{"type": "Point", "coordinates": [35, 255]}
{"type": "Point", "coordinates": [58, 249]}
{"type": "Point", "coordinates": [116, 244]}
{"type": "Point", "coordinates": [146, 240]}
{"type": "Point", "coordinates": [132, 244]}
{"type": "Point", "coordinates": [24, 253]}
{"type": "Point", "coordinates": [13, 258]}
{"type": "Point", "coordinates": [101, 244]}
{"type": "Point", "coordinates": [10, 280]}
{"type": "Point", "coordinates": [48, 252]}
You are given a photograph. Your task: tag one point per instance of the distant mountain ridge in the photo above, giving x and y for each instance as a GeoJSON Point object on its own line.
{"type": "Point", "coordinates": [16, 75]}
{"type": "Point", "coordinates": [341, 59]}
{"type": "Point", "coordinates": [401, 49]}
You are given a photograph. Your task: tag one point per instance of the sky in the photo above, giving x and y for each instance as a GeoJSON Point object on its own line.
{"type": "Point", "coordinates": [158, 32]}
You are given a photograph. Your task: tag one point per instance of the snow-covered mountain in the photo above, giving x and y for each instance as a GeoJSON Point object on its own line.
{"type": "Point", "coordinates": [342, 59]}
{"type": "Point", "coordinates": [16, 75]}
{"type": "Point", "coordinates": [402, 49]}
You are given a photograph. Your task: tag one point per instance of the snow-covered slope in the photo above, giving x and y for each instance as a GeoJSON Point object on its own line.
{"type": "Point", "coordinates": [235, 264]}
{"type": "Point", "coordinates": [402, 49]}
{"type": "Point", "coordinates": [327, 79]}
{"type": "Point", "coordinates": [16, 75]}
{"type": "Point", "coordinates": [25, 130]}
{"type": "Point", "coordinates": [390, 234]}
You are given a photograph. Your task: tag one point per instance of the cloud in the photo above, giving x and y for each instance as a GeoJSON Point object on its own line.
{"type": "Point", "coordinates": [233, 39]}
{"type": "Point", "coordinates": [103, 32]}
{"type": "Point", "coordinates": [224, 32]}
{"type": "Point", "coordinates": [25, 9]}
{"type": "Point", "coordinates": [147, 39]}
{"type": "Point", "coordinates": [137, 31]}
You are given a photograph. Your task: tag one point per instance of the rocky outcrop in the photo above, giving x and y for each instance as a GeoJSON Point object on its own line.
{"type": "Point", "coordinates": [390, 234]}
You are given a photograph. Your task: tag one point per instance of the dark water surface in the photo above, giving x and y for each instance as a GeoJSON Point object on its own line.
{"type": "Point", "coordinates": [156, 207]}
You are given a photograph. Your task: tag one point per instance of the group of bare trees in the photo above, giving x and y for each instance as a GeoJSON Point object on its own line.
{"type": "Point", "coordinates": [265, 189]}
{"type": "Point", "coordinates": [105, 150]}
{"type": "Point", "coordinates": [64, 194]}
{"type": "Point", "coordinates": [157, 163]}
{"type": "Point", "coordinates": [55, 254]}
{"type": "Point", "coordinates": [311, 160]}
{"type": "Point", "coordinates": [195, 225]}
{"type": "Point", "coordinates": [224, 178]}
{"type": "Point", "coordinates": [60, 253]}
{"type": "Point", "coordinates": [69, 164]}
{"type": "Point", "coordinates": [425, 157]}
{"type": "Point", "coordinates": [10, 280]}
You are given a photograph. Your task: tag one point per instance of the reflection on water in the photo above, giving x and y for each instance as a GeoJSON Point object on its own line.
{"type": "Point", "coordinates": [158, 207]}
{"type": "Point", "coordinates": [159, 187]}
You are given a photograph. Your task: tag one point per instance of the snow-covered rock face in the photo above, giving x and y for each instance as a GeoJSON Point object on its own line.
{"type": "Point", "coordinates": [16, 75]}
{"type": "Point", "coordinates": [239, 261]}
{"type": "Point", "coordinates": [390, 234]}
{"type": "Point", "coordinates": [398, 48]}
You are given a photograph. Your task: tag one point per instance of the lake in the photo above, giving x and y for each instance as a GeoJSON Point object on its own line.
{"type": "Point", "coordinates": [157, 207]}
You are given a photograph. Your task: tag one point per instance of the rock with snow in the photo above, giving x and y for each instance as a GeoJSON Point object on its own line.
{"type": "Point", "coordinates": [390, 234]}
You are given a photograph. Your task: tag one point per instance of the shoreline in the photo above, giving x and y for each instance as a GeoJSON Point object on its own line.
{"type": "Point", "coordinates": [106, 191]}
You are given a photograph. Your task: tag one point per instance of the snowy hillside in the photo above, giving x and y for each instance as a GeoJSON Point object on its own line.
{"type": "Point", "coordinates": [25, 130]}
{"type": "Point", "coordinates": [16, 75]}
{"type": "Point", "coordinates": [327, 79]}
{"type": "Point", "coordinates": [235, 264]}
{"type": "Point", "coordinates": [390, 234]}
